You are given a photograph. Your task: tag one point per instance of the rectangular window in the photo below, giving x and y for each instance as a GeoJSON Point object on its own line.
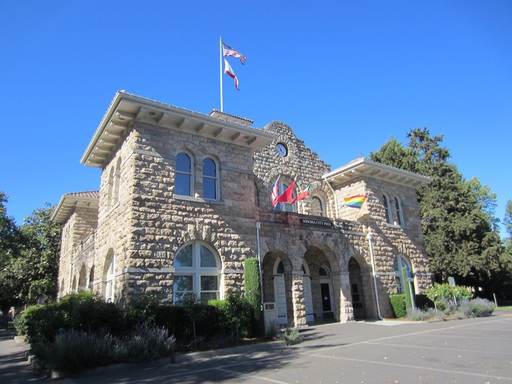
{"type": "Point", "coordinates": [183, 288]}
{"type": "Point", "coordinates": [209, 288]}
{"type": "Point", "coordinates": [182, 184]}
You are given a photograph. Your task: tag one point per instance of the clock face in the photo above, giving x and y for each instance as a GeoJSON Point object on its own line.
{"type": "Point", "coordinates": [281, 149]}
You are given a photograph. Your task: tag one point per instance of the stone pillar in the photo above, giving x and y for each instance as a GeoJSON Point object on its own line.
{"type": "Point", "coordinates": [345, 298]}
{"type": "Point", "coordinates": [298, 302]}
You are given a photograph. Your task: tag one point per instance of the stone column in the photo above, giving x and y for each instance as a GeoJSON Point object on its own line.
{"type": "Point", "coordinates": [298, 302]}
{"type": "Point", "coordinates": [345, 298]}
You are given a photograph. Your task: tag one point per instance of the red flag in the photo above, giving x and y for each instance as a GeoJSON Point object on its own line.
{"type": "Point", "coordinates": [229, 71]}
{"type": "Point", "coordinates": [286, 197]}
{"type": "Point", "coordinates": [302, 195]}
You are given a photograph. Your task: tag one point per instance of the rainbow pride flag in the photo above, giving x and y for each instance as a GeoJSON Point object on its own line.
{"type": "Point", "coordinates": [355, 201]}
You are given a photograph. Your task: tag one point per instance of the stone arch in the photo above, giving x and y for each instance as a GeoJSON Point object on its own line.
{"type": "Point", "coordinates": [323, 288]}
{"type": "Point", "coordinates": [277, 272]}
{"type": "Point", "coordinates": [362, 295]}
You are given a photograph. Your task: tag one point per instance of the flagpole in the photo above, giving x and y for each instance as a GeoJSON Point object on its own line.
{"type": "Point", "coordinates": [221, 97]}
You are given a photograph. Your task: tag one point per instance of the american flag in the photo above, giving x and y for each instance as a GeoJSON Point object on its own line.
{"type": "Point", "coordinates": [228, 51]}
{"type": "Point", "coordinates": [274, 193]}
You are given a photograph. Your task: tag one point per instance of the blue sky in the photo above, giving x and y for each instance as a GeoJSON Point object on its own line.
{"type": "Point", "coordinates": [345, 75]}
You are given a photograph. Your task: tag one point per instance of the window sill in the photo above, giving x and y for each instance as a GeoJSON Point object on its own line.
{"type": "Point", "coordinates": [396, 226]}
{"type": "Point", "coordinates": [197, 199]}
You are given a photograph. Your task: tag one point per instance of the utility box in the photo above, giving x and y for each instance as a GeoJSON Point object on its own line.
{"type": "Point", "coordinates": [270, 317]}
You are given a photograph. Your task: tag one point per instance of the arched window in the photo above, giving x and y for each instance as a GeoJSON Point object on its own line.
{"type": "Point", "coordinates": [82, 279]}
{"type": "Point", "coordinates": [399, 212]}
{"type": "Point", "coordinates": [197, 273]}
{"type": "Point", "coordinates": [184, 175]}
{"type": "Point", "coordinates": [109, 277]}
{"type": "Point", "coordinates": [317, 206]}
{"type": "Point", "coordinates": [210, 179]}
{"type": "Point", "coordinates": [387, 209]}
{"type": "Point", "coordinates": [287, 207]}
{"type": "Point", "coordinates": [91, 279]}
{"type": "Point", "coordinates": [401, 262]}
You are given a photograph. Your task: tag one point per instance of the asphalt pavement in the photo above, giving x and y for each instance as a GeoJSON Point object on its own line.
{"type": "Point", "coordinates": [459, 351]}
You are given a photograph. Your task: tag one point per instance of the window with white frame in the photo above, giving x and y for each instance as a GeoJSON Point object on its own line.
{"type": "Point", "coordinates": [109, 278]}
{"type": "Point", "coordinates": [401, 262]}
{"type": "Point", "coordinates": [287, 207]}
{"type": "Point", "coordinates": [210, 179]}
{"type": "Point", "coordinates": [317, 206]}
{"type": "Point", "coordinates": [184, 175]}
{"type": "Point", "coordinates": [197, 273]}
{"type": "Point", "coordinates": [387, 209]}
{"type": "Point", "coordinates": [399, 212]}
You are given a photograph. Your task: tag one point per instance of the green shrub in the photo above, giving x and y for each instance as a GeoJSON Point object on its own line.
{"type": "Point", "coordinates": [477, 307]}
{"type": "Point", "coordinates": [82, 311]}
{"type": "Point", "coordinates": [142, 308]}
{"type": "Point", "coordinates": [422, 301]}
{"type": "Point", "coordinates": [174, 319]}
{"type": "Point", "coordinates": [235, 316]}
{"type": "Point", "coordinates": [145, 342]}
{"type": "Point", "coordinates": [89, 312]}
{"type": "Point", "coordinates": [291, 336]}
{"type": "Point", "coordinates": [40, 323]}
{"type": "Point", "coordinates": [398, 304]}
{"type": "Point", "coordinates": [417, 314]}
{"type": "Point", "coordinates": [252, 287]}
{"type": "Point", "coordinates": [440, 294]}
{"type": "Point", "coordinates": [74, 351]}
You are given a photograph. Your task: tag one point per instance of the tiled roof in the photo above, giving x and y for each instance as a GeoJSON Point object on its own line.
{"type": "Point", "coordinates": [70, 201]}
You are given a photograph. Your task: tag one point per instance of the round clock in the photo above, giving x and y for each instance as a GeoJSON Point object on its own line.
{"type": "Point", "coordinates": [281, 149]}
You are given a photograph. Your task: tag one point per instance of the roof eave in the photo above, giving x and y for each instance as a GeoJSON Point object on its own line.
{"type": "Point", "coordinates": [363, 167]}
{"type": "Point", "coordinates": [127, 108]}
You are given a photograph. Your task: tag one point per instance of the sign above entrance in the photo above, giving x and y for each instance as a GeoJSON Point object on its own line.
{"type": "Point", "coordinates": [318, 222]}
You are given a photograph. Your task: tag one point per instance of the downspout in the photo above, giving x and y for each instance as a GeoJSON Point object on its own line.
{"type": "Point", "coordinates": [369, 237]}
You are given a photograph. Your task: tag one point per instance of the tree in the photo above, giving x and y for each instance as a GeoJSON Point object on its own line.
{"type": "Point", "coordinates": [508, 219]}
{"type": "Point", "coordinates": [29, 257]}
{"type": "Point", "coordinates": [40, 256]}
{"type": "Point", "coordinates": [10, 242]}
{"type": "Point", "coordinates": [458, 216]}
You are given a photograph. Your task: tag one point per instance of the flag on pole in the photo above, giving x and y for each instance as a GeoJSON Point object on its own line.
{"type": "Point", "coordinates": [355, 201]}
{"type": "Point", "coordinates": [228, 51]}
{"type": "Point", "coordinates": [303, 194]}
{"type": "Point", "coordinates": [229, 71]}
{"type": "Point", "coordinates": [274, 194]}
{"type": "Point", "coordinates": [286, 196]}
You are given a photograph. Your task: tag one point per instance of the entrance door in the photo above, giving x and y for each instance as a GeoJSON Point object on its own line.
{"type": "Point", "coordinates": [308, 297]}
{"type": "Point", "coordinates": [280, 293]}
{"type": "Point", "coordinates": [326, 297]}
{"type": "Point", "coordinates": [356, 289]}
{"type": "Point", "coordinates": [326, 292]}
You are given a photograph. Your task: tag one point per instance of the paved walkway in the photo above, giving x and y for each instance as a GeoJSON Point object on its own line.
{"type": "Point", "coordinates": [462, 351]}
{"type": "Point", "coordinates": [14, 367]}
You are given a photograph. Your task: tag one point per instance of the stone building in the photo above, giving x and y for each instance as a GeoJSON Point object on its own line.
{"type": "Point", "coordinates": [184, 199]}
